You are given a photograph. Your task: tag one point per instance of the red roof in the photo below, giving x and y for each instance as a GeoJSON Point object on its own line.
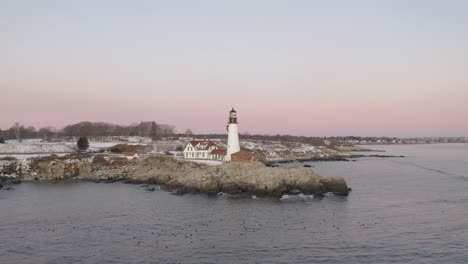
{"type": "Point", "coordinates": [219, 152]}
{"type": "Point", "coordinates": [205, 143]}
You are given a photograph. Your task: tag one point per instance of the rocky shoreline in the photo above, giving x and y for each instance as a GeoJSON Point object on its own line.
{"type": "Point", "coordinates": [340, 157]}
{"type": "Point", "coordinates": [183, 176]}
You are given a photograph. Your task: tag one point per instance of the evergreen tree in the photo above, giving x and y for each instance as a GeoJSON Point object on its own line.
{"type": "Point", "coordinates": [2, 141]}
{"type": "Point", "coordinates": [82, 143]}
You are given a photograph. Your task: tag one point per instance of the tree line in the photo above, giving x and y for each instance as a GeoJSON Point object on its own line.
{"type": "Point", "coordinates": [149, 129]}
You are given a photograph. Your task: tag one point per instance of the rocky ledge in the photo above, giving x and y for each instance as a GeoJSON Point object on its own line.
{"type": "Point", "coordinates": [242, 177]}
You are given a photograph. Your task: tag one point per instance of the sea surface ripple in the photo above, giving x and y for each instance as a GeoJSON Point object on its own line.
{"type": "Point", "coordinates": [401, 210]}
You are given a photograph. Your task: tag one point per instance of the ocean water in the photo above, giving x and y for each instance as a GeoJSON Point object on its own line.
{"type": "Point", "coordinates": [401, 210]}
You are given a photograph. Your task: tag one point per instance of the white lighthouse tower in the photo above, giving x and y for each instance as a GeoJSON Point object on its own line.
{"type": "Point", "coordinates": [233, 135]}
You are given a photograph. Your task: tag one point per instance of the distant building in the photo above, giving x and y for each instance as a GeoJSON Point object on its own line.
{"type": "Point", "coordinates": [199, 149]}
{"type": "Point", "coordinates": [131, 155]}
{"type": "Point", "coordinates": [242, 155]}
{"type": "Point", "coordinates": [208, 150]}
{"type": "Point", "coordinates": [218, 154]}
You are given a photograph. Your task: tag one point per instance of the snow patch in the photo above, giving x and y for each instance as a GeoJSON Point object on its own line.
{"type": "Point", "coordinates": [28, 147]}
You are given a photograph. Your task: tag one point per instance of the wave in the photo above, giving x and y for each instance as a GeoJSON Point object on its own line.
{"type": "Point", "coordinates": [293, 198]}
{"type": "Point", "coordinates": [436, 170]}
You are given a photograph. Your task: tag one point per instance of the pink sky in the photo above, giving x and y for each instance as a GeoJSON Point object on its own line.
{"type": "Point", "coordinates": [325, 70]}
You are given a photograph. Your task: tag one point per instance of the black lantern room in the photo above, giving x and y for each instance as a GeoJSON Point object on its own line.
{"type": "Point", "coordinates": [233, 116]}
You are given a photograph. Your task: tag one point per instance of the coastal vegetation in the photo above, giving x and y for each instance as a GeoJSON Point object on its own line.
{"type": "Point", "coordinates": [82, 143]}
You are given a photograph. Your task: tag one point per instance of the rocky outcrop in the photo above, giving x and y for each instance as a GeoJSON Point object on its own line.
{"type": "Point", "coordinates": [235, 177]}
{"type": "Point", "coordinates": [335, 184]}
{"type": "Point", "coordinates": [59, 170]}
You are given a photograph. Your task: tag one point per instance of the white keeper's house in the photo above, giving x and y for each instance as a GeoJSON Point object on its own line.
{"type": "Point", "coordinates": [204, 149]}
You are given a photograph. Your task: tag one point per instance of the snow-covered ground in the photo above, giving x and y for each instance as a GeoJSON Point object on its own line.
{"type": "Point", "coordinates": [28, 156]}
{"type": "Point", "coordinates": [65, 145]}
{"type": "Point", "coordinates": [96, 144]}
{"type": "Point", "coordinates": [273, 150]}
{"type": "Point", "coordinates": [30, 147]}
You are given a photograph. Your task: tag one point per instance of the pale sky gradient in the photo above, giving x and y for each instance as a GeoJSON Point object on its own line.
{"type": "Point", "coordinates": [314, 68]}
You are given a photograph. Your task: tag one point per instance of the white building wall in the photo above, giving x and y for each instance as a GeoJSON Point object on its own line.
{"type": "Point", "coordinates": [190, 152]}
{"type": "Point", "coordinates": [233, 141]}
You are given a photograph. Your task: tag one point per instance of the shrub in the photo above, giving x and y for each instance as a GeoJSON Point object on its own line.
{"type": "Point", "coordinates": [2, 141]}
{"type": "Point", "coordinates": [116, 150]}
{"type": "Point", "coordinates": [179, 148]}
{"type": "Point", "coordinates": [82, 143]}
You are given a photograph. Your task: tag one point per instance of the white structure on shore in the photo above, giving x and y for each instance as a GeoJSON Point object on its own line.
{"type": "Point", "coordinates": [208, 150]}
{"type": "Point", "coordinates": [205, 149]}
{"type": "Point", "coordinates": [233, 145]}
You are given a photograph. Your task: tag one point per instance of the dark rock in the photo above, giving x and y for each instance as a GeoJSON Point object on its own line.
{"type": "Point", "coordinates": [144, 185]}
{"type": "Point", "coordinates": [307, 166]}
{"type": "Point", "coordinates": [340, 194]}
{"type": "Point", "coordinates": [385, 156]}
{"type": "Point", "coordinates": [109, 181]}
{"type": "Point", "coordinates": [335, 185]}
{"type": "Point", "coordinates": [179, 192]}
{"type": "Point", "coordinates": [230, 188]}
{"type": "Point", "coordinates": [9, 189]}
{"type": "Point", "coordinates": [294, 192]}
{"type": "Point", "coordinates": [149, 189]}
{"type": "Point", "coordinates": [15, 181]}
{"type": "Point", "coordinates": [318, 196]}
{"type": "Point", "coordinates": [1, 185]}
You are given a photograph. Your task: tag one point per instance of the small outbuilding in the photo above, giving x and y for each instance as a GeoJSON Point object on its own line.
{"type": "Point", "coordinates": [243, 155]}
{"type": "Point", "coordinates": [218, 154]}
{"type": "Point", "coordinates": [131, 155]}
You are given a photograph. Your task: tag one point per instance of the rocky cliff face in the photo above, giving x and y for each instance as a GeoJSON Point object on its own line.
{"type": "Point", "coordinates": [59, 170]}
{"type": "Point", "coordinates": [253, 177]}
{"type": "Point", "coordinates": [233, 177]}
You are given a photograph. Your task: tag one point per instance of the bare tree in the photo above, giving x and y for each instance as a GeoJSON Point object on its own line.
{"type": "Point", "coordinates": [167, 130]}
{"type": "Point", "coordinates": [16, 128]}
{"type": "Point", "coordinates": [46, 132]}
{"type": "Point", "coordinates": [188, 132]}
{"type": "Point", "coordinates": [29, 132]}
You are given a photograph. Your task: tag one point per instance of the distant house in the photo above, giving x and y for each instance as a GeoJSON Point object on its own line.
{"type": "Point", "coordinates": [131, 155]}
{"type": "Point", "coordinates": [208, 150]}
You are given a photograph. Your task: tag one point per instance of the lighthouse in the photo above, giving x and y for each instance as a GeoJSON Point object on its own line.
{"type": "Point", "coordinates": [233, 135]}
